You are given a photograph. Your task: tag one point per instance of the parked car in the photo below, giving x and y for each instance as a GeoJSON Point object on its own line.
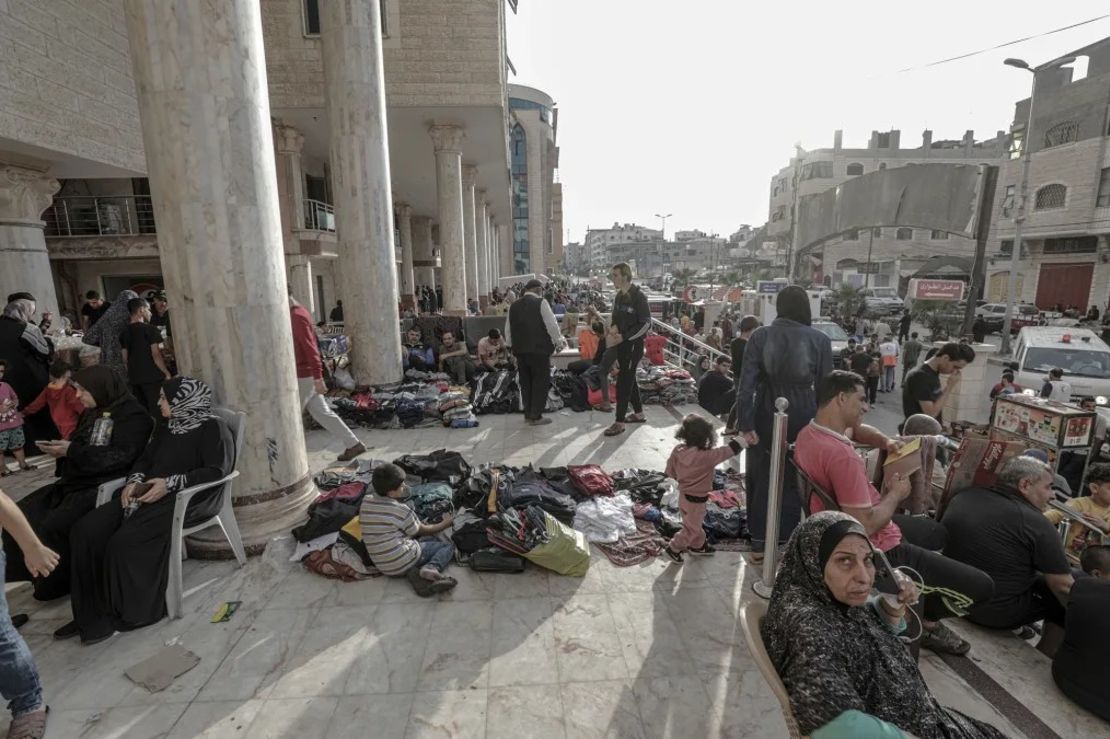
{"type": "Point", "coordinates": [882, 301]}
{"type": "Point", "coordinates": [836, 334]}
{"type": "Point", "coordinates": [995, 314]}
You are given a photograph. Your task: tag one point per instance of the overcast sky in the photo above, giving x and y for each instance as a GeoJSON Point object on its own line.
{"type": "Point", "coordinates": [690, 107]}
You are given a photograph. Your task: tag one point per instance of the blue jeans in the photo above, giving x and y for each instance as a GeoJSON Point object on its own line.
{"type": "Point", "coordinates": [19, 678]}
{"type": "Point", "coordinates": [435, 553]}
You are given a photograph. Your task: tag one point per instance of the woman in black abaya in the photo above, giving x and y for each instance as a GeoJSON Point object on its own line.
{"type": "Point", "coordinates": [121, 560]}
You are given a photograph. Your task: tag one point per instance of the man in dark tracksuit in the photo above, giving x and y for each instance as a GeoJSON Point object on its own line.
{"type": "Point", "coordinates": [533, 334]}
{"type": "Point", "coordinates": [632, 318]}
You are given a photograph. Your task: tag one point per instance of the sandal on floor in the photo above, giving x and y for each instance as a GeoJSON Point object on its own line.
{"type": "Point", "coordinates": [615, 429]}
{"type": "Point", "coordinates": [29, 726]}
{"type": "Point", "coordinates": [604, 408]}
{"type": "Point", "coordinates": [636, 418]}
{"type": "Point", "coordinates": [28, 467]}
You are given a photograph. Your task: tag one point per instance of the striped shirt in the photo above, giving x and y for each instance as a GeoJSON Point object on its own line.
{"type": "Point", "coordinates": [387, 530]}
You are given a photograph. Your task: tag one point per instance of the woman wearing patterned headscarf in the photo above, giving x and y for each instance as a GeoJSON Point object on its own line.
{"type": "Point", "coordinates": [120, 551]}
{"type": "Point", "coordinates": [84, 461]}
{"type": "Point", "coordinates": [27, 353]}
{"type": "Point", "coordinates": [836, 648]}
{"type": "Point", "coordinates": [106, 331]}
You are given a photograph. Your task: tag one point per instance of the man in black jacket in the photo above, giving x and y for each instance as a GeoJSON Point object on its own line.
{"type": "Point", "coordinates": [632, 319]}
{"type": "Point", "coordinates": [533, 334]}
{"type": "Point", "coordinates": [748, 324]}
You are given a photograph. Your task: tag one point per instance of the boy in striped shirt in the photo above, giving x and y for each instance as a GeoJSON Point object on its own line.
{"type": "Point", "coordinates": [397, 542]}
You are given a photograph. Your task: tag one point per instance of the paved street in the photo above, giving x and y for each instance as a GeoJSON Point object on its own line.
{"type": "Point", "coordinates": [652, 650]}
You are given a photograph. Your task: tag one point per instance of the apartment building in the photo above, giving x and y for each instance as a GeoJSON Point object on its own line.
{"type": "Point", "coordinates": [537, 200]}
{"type": "Point", "coordinates": [1065, 255]}
{"type": "Point", "coordinates": [598, 239]}
{"type": "Point", "coordinates": [878, 256]}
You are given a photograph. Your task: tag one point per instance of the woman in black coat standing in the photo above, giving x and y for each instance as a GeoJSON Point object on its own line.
{"type": "Point", "coordinates": [121, 550]}
{"type": "Point", "coordinates": [784, 359]}
{"type": "Point", "coordinates": [27, 353]}
{"type": "Point", "coordinates": [84, 462]}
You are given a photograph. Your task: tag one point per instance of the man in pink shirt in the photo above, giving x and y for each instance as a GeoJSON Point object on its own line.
{"type": "Point", "coordinates": [310, 381]}
{"type": "Point", "coordinates": [824, 451]}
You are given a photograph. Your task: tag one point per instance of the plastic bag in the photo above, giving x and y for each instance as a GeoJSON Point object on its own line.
{"type": "Point", "coordinates": [342, 378]}
{"type": "Point", "coordinates": [565, 552]}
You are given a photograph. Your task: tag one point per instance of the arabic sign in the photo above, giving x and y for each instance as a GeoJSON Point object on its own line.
{"type": "Point", "coordinates": [937, 290]}
{"type": "Point", "coordinates": [769, 287]}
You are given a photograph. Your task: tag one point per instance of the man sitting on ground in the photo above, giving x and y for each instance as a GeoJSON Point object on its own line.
{"type": "Point", "coordinates": [398, 544]}
{"type": "Point", "coordinates": [454, 359]}
{"type": "Point", "coordinates": [1081, 667]}
{"type": "Point", "coordinates": [715, 389]}
{"type": "Point", "coordinates": [1002, 531]}
{"type": "Point", "coordinates": [825, 453]}
{"type": "Point", "coordinates": [492, 352]}
{"type": "Point", "coordinates": [415, 355]}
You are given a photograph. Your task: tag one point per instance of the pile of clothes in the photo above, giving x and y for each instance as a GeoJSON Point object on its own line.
{"type": "Point", "coordinates": [666, 386]}
{"type": "Point", "coordinates": [504, 516]}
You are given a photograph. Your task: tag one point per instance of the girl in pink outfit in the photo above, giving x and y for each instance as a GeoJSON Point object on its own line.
{"type": "Point", "coordinates": [11, 426]}
{"type": "Point", "coordinates": [691, 464]}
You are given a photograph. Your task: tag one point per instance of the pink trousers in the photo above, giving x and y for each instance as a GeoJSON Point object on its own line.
{"type": "Point", "coordinates": [692, 536]}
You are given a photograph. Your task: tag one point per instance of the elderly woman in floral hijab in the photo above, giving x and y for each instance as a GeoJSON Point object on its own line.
{"type": "Point", "coordinates": [121, 550]}
{"type": "Point", "coordinates": [836, 646]}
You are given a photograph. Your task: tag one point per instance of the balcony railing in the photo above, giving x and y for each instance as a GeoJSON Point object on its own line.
{"type": "Point", "coordinates": [318, 216]}
{"type": "Point", "coordinates": [100, 216]}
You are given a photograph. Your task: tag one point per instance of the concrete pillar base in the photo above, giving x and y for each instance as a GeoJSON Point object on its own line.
{"type": "Point", "coordinates": [261, 517]}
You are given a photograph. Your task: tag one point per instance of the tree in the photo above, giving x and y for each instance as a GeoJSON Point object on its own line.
{"type": "Point", "coordinates": [940, 317]}
{"type": "Point", "coordinates": [730, 278]}
{"type": "Point", "coordinates": [848, 300]}
{"type": "Point", "coordinates": [684, 275]}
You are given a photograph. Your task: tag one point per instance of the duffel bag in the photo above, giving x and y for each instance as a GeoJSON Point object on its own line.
{"type": "Point", "coordinates": [566, 551]}
{"type": "Point", "coordinates": [494, 559]}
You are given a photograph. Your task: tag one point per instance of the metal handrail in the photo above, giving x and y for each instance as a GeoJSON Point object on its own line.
{"type": "Point", "coordinates": [109, 215]}
{"type": "Point", "coordinates": [318, 215]}
{"type": "Point", "coordinates": [683, 349]}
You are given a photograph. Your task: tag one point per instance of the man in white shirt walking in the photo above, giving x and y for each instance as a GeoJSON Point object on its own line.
{"type": "Point", "coordinates": [888, 350]}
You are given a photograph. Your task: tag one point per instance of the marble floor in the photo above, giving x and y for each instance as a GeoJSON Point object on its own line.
{"type": "Point", "coordinates": [648, 651]}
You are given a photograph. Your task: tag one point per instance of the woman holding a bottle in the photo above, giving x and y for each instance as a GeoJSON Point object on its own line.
{"type": "Point", "coordinates": [110, 436]}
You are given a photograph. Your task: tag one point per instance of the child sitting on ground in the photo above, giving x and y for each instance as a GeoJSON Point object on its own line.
{"type": "Point", "coordinates": [61, 398]}
{"type": "Point", "coordinates": [1095, 510]}
{"type": "Point", "coordinates": [11, 426]}
{"type": "Point", "coordinates": [691, 464]}
{"type": "Point", "coordinates": [398, 544]}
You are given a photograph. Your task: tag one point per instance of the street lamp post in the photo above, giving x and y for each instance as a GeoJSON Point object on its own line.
{"type": "Point", "coordinates": [1023, 192]}
{"type": "Point", "coordinates": [664, 220]}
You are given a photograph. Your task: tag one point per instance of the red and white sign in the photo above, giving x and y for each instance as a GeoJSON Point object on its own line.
{"type": "Point", "coordinates": [937, 290]}
{"type": "Point", "coordinates": [692, 294]}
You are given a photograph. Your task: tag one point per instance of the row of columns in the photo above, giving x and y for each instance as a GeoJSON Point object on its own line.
{"type": "Point", "coordinates": [226, 242]}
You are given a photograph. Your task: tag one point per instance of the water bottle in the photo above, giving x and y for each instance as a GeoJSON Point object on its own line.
{"type": "Point", "coordinates": [102, 430]}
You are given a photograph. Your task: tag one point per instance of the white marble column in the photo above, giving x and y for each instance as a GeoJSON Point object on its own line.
{"type": "Point", "coordinates": [481, 246]}
{"type": "Point", "coordinates": [505, 249]}
{"type": "Point", "coordinates": [470, 180]}
{"type": "Point", "coordinates": [423, 260]}
{"type": "Point", "coordinates": [352, 43]}
{"type": "Point", "coordinates": [200, 77]}
{"type": "Point", "coordinates": [404, 226]}
{"type": "Point", "coordinates": [491, 249]}
{"type": "Point", "coordinates": [300, 280]}
{"type": "Point", "coordinates": [289, 143]}
{"type": "Point", "coordinates": [24, 262]}
{"type": "Point", "coordinates": [449, 194]}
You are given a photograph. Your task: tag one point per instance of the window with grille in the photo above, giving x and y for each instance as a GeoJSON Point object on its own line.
{"type": "Point", "coordinates": [936, 235]}
{"type": "Point", "coordinates": [904, 234]}
{"type": "Point", "coordinates": [855, 168]}
{"type": "Point", "coordinates": [815, 170]}
{"type": "Point", "coordinates": [1050, 196]}
{"type": "Point", "coordinates": [1061, 133]}
{"type": "Point", "coordinates": [1075, 245]}
{"type": "Point", "coordinates": [1104, 189]}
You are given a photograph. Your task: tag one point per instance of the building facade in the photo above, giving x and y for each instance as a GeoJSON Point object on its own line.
{"type": "Point", "coordinates": [235, 153]}
{"type": "Point", "coordinates": [1065, 255]}
{"type": "Point", "coordinates": [598, 240]}
{"type": "Point", "coordinates": [878, 257]}
{"type": "Point", "coordinates": [534, 158]}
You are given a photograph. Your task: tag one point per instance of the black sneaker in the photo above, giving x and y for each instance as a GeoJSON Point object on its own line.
{"type": "Point", "coordinates": [68, 631]}
{"type": "Point", "coordinates": [676, 557]}
{"type": "Point", "coordinates": [19, 619]}
{"type": "Point", "coordinates": [705, 550]}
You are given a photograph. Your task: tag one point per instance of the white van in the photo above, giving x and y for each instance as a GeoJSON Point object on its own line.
{"type": "Point", "coordinates": [1084, 357]}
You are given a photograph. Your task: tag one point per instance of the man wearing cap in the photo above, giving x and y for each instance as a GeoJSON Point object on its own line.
{"type": "Point", "coordinates": [532, 333]}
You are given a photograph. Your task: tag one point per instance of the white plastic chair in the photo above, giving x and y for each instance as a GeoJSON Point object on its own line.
{"type": "Point", "coordinates": [225, 519]}
{"type": "Point", "coordinates": [752, 614]}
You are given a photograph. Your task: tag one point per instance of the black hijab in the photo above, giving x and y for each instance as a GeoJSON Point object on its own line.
{"type": "Point", "coordinates": [107, 386]}
{"type": "Point", "coordinates": [793, 303]}
{"type": "Point", "coordinates": [835, 658]}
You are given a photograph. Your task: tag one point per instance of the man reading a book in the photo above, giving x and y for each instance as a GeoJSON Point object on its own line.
{"type": "Point", "coordinates": [824, 451]}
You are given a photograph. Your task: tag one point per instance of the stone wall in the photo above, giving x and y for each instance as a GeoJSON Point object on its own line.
{"type": "Point", "coordinates": [65, 80]}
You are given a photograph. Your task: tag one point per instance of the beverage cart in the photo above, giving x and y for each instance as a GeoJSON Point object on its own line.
{"type": "Point", "coordinates": [1064, 431]}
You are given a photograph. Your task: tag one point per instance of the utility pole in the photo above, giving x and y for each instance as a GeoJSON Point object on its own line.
{"type": "Point", "coordinates": [988, 178]}
{"type": "Point", "coordinates": [867, 271]}
{"type": "Point", "coordinates": [663, 229]}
